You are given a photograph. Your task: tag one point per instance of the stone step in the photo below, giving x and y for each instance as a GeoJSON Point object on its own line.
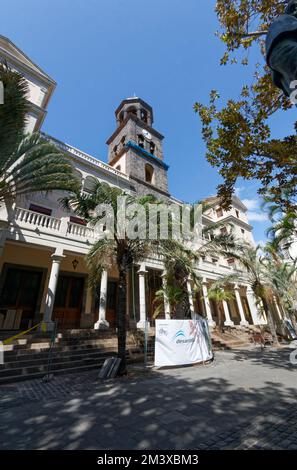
{"type": "Point", "coordinates": [55, 359]}
{"type": "Point", "coordinates": [28, 369]}
{"type": "Point", "coordinates": [29, 347]}
{"type": "Point", "coordinates": [58, 357]}
{"type": "Point", "coordinates": [28, 358]}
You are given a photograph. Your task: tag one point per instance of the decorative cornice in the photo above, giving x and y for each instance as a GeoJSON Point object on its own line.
{"type": "Point", "coordinates": [144, 153]}
{"type": "Point", "coordinates": [86, 158]}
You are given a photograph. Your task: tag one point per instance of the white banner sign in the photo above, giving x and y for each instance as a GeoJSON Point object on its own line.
{"type": "Point", "coordinates": [181, 342]}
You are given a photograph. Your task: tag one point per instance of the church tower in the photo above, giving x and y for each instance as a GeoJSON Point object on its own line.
{"type": "Point", "coordinates": [135, 148]}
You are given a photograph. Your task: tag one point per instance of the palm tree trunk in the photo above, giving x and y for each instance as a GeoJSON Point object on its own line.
{"type": "Point", "coordinates": [121, 315]}
{"type": "Point", "coordinates": [270, 321]}
{"type": "Point", "coordinates": [294, 322]}
{"type": "Point", "coordinates": [186, 305]}
{"type": "Point", "coordinates": [220, 316]}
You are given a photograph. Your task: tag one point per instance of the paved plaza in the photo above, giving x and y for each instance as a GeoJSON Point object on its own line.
{"type": "Point", "coordinates": [243, 400]}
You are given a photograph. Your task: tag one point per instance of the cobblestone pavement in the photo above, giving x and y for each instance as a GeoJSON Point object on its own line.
{"type": "Point", "coordinates": [243, 400]}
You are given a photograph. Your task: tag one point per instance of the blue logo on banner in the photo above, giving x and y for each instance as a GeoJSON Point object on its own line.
{"type": "Point", "coordinates": [178, 334]}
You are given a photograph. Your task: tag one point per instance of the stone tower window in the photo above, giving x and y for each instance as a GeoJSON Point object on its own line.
{"type": "Point", "coordinates": [152, 148]}
{"type": "Point", "coordinates": [143, 115]}
{"type": "Point", "coordinates": [149, 173]}
{"type": "Point", "coordinates": [132, 110]}
{"type": "Point", "coordinates": [141, 140]}
{"type": "Point", "coordinates": [118, 167]}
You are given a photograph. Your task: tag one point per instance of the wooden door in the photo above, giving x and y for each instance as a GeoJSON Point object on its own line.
{"type": "Point", "coordinates": [68, 301]}
{"type": "Point", "coordinates": [20, 292]}
{"type": "Point", "coordinates": [154, 283]}
{"type": "Point", "coordinates": [111, 302]}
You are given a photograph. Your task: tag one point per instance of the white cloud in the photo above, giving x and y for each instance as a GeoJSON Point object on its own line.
{"type": "Point", "coordinates": [257, 216]}
{"type": "Point", "coordinates": [251, 203]}
{"type": "Point", "coordinates": [255, 213]}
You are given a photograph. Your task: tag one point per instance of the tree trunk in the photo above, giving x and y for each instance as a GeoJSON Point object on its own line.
{"type": "Point", "coordinates": [294, 322]}
{"type": "Point", "coordinates": [186, 307]}
{"type": "Point", "coordinates": [221, 317]}
{"type": "Point", "coordinates": [121, 315]}
{"type": "Point", "coordinates": [270, 321]}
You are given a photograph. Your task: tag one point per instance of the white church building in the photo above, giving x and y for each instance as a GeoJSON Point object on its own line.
{"type": "Point", "coordinates": [43, 275]}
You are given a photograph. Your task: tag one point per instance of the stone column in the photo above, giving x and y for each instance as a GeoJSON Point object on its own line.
{"type": "Point", "coordinates": [102, 323]}
{"type": "Point", "coordinates": [142, 298]}
{"type": "Point", "coordinates": [207, 304]}
{"type": "Point", "coordinates": [166, 300]}
{"type": "Point", "coordinates": [191, 301]}
{"type": "Point", "coordinates": [243, 320]}
{"type": "Point", "coordinates": [250, 296]}
{"type": "Point", "coordinates": [52, 287]}
{"type": "Point", "coordinates": [228, 321]}
{"type": "Point", "coordinates": [277, 308]}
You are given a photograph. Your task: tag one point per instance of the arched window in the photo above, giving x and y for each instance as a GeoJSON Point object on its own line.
{"type": "Point", "coordinates": [118, 167]}
{"type": "Point", "coordinates": [141, 140]}
{"type": "Point", "coordinates": [149, 173]}
{"type": "Point", "coordinates": [152, 148]}
{"type": "Point", "coordinates": [132, 110]}
{"type": "Point", "coordinates": [143, 115]}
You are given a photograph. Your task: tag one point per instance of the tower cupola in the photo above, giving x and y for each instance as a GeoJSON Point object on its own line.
{"type": "Point", "coordinates": [135, 147]}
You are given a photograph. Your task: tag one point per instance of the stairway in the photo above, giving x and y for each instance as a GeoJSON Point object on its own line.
{"type": "Point", "coordinates": [74, 351]}
{"type": "Point", "coordinates": [237, 337]}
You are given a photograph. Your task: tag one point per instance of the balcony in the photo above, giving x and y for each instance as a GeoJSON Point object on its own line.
{"type": "Point", "coordinates": [35, 219]}
{"type": "Point", "coordinates": [46, 224]}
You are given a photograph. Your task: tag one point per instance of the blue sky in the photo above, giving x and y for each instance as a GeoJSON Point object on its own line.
{"type": "Point", "coordinates": [165, 51]}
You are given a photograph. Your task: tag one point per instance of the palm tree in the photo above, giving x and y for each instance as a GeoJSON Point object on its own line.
{"type": "Point", "coordinates": [256, 275]}
{"type": "Point", "coordinates": [174, 294]}
{"type": "Point", "coordinates": [281, 275]}
{"type": "Point", "coordinates": [179, 269]}
{"type": "Point", "coordinates": [179, 263]}
{"type": "Point", "coordinates": [219, 293]}
{"type": "Point", "coordinates": [122, 252]}
{"type": "Point", "coordinates": [28, 163]}
{"type": "Point", "coordinates": [283, 231]}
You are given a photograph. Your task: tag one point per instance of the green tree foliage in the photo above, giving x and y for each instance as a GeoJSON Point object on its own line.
{"type": "Point", "coordinates": [124, 251]}
{"type": "Point", "coordinates": [28, 163]}
{"type": "Point", "coordinates": [237, 133]}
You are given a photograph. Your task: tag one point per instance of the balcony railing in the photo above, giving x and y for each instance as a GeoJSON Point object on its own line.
{"type": "Point", "coordinates": [86, 157]}
{"type": "Point", "coordinates": [37, 220]}
{"type": "Point", "coordinates": [27, 219]}
{"type": "Point", "coordinates": [81, 231]}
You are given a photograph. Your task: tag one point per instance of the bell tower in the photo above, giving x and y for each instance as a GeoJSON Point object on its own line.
{"type": "Point", "coordinates": [135, 148]}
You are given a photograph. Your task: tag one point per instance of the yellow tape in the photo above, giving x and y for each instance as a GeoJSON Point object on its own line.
{"type": "Point", "coordinates": [8, 340]}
